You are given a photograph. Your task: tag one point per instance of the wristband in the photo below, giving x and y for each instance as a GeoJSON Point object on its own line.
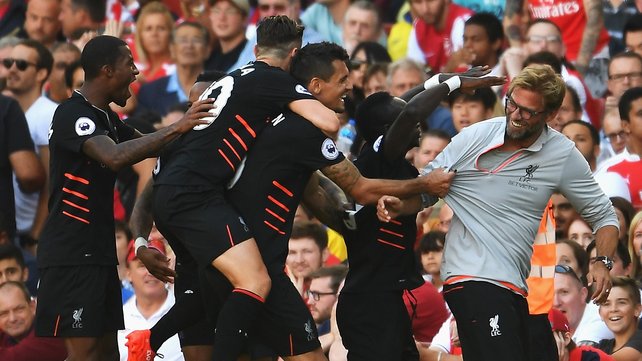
{"type": "Point", "coordinates": [432, 82]}
{"type": "Point", "coordinates": [453, 83]}
{"type": "Point", "coordinates": [139, 242]}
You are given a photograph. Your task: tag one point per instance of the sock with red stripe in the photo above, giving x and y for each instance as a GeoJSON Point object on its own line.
{"type": "Point", "coordinates": [240, 310]}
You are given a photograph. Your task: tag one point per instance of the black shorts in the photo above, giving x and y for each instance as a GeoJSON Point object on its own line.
{"type": "Point", "coordinates": [79, 301]}
{"type": "Point", "coordinates": [202, 221]}
{"type": "Point", "coordinates": [285, 325]}
{"type": "Point", "coordinates": [492, 321]}
{"type": "Point", "coordinates": [376, 326]}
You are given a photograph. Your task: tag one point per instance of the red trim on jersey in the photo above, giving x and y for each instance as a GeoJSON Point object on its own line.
{"type": "Point", "coordinates": [77, 194]}
{"type": "Point", "coordinates": [273, 227]}
{"type": "Point", "coordinates": [279, 203]}
{"type": "Point", "coordinates": [226, 159]}
{"type": "Point", "coordinates": [75, 205]}
{"type": "Point", "coordinates": [76, 178]}
{"type": "Point", "coordinates": [55, 333]}
{"type": "Point", "coordinates": [395, 222]}
{"type": "Point", "coordinates": [238, 138]}
{"type": "Point", "coordinates": [508, 285]}
{"type": "Point", "coordinates": [275, 215]}
{"type": "Point", "coordinates": [229, 234]}
{"type": "Point", "coordinates": [232, 149]}
{"type": "Point", "coordinates": [247, 126]}
{"type": "Point", "coordinates": [291, 346]}
{"type": "Point", "coordinates": [249, 293]}
{"type": "Point", "coordinates": [390, 244]}
{"type": "Point", "coordinates": [391, 232]}
{"type": "Point", "coordinates": [75, 217]}
{"type": "Point", "coordinates": [281, 187]}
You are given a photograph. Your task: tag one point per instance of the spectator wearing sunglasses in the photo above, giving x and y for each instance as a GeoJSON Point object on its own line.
{"type": "Point", "coordinates": [570, 298]}
{"type": "Point", "coordinates": [28, 68]}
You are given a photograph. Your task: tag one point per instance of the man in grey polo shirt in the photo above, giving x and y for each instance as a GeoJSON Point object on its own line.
{"type": "Point", "coordinates": [507, 169]}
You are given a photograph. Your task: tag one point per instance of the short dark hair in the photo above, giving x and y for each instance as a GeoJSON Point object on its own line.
{"type": "Point", "coordinates": [336, 273]}
{"type": "Point", "coordinates": [312, 230]}
{"type": "Point", "coordinates": [45, 59]}
{"type": "Point", "coordinates": [62, 46]}
{"type": "Point", "coordinates": [210, 76]}
{"type": "Point", "coordinates": [120, 226]}
{"type": "Point", "coordinates": [543, 21]}
{"type": "Point", "coordinates": [544, 57]}
{"type": "Point", "coordinates": [595, 135]}
{"type": "Point", "coordinates": [491, 24]}
{"type": "Point", "coordinates": [69, 73]}
{"type": "Point", "coordinates": [315, 61]}
{"type": "Point", "coordinates": [11, 251]}
{"type": "Point", "coordinates": [630, 285]}
{"type": "Point", "coordinates": [626, 208]}
{"type": "Point", "coordinates": [19, 285]}
{"type": "Point", "coordinates": [623, 55]}
{"type": "Point", "coordinates": [375, 114]}
{"type": "Point", "coordinates": [100, 51]}
{"type": "Point", "coordinates": [486, 96]}
{"type": "Point", "coordinates": [432, 241]}
{"type": "Point", "coordinates": [193, 24]}
{"type": "Point", "coordinates": [629, 96]}
{"type": "Point", "coordinates": [633, 24]}
{"type": "Point", "coordinates": [95, 8]}
{"type": "Point", "coordinates": [278, 35]}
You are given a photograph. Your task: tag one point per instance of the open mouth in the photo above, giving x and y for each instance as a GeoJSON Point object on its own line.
{"type": "Point", "coordinates": [517, 125]}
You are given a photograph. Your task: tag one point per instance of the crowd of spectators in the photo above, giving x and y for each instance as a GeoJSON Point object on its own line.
{"type": "Point", "coordinates": [394, 46]}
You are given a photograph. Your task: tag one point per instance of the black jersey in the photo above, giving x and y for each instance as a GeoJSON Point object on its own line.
{"type": "Point", "coordinates": [273, 179]}
{"type": "Point", "coordinates": [247, 100]}
{"type": "Point", "coordinates": [80, 226]}
{"type": "Point", "coordinates": [381, 255]}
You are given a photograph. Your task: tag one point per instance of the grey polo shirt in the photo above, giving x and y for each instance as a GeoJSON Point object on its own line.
{"type": "Point", "coordinates": [498, 199]}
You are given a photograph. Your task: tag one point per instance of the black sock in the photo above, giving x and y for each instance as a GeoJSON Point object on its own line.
{"type": "Point", "coordinates": [235, 319]}
{"type": "Point", "coordinates": [188, 310]}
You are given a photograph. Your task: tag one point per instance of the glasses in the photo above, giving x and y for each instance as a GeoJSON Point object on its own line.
{"type": "Point", "coordinates": [538, 39]}
{"type": "Point", "coordinates": [275, 7]}
{"type": "Point", "coordinates": [524, 113]}
{"type": "Point", "coordinates": [317, 295]}
{"type": "Point", "coordinates": [567, 270]}
{"type": "Point", "coordinates": [21, 64]}
{"type": "Point", "coordinates": [613, 137]}
{"type": "Point", "coordinates": [190, 41]}
{"type": "Point", "coordinates": [630, 76]}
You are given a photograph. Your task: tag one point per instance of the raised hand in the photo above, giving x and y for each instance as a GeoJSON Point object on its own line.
{"type": "Point", "coordinates": [469, 84]}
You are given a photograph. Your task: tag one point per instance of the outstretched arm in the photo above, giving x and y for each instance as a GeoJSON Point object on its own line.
{"type": "Point", "coordinates": [594, 17]}
{"type": "Point", "coordinates": [116, 156]}
{"type": "Point", "coordinates": [368, 191]}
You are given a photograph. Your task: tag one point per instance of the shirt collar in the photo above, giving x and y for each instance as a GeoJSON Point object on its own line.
{"type": "Point", "coordinates": [173, 86]}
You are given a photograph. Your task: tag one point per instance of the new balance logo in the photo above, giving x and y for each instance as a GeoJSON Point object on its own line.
{"type": "Point", "coordinates": [494, 326]}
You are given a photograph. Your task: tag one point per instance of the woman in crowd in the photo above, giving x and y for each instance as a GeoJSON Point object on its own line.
{"type": "Point", "coordinates": [634, 244]}
{"type": "Point", "coordinates": [152, 42]}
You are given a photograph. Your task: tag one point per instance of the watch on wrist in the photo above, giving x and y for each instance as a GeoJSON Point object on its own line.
{"type": "Point", "coordinates": [607, 261]}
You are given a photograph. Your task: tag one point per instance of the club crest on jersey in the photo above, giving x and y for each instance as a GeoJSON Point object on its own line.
{"type": "Point", "coordinates": [329, 149]}
{"type": "Point", "coordinates": [85, 126]}
{"type": "Point", "coordinates": [301, 89]}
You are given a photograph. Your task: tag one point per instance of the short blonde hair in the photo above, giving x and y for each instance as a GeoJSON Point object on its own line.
{"type": "Point", "coordinates": [541, 78]}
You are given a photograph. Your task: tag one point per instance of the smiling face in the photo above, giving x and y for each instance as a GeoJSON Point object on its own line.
{"type": "Point", "coordinates": [16, 313]}
{"type": "Point", "coordinates": [619, 312]}
{"type": "Point", "coordinates": [526, 116]}
{"type": "Point", "coordinates": [333, 92]}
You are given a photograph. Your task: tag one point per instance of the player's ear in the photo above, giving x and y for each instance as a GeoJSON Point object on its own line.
{"type": "Point", "coordinates": [314, 87]}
